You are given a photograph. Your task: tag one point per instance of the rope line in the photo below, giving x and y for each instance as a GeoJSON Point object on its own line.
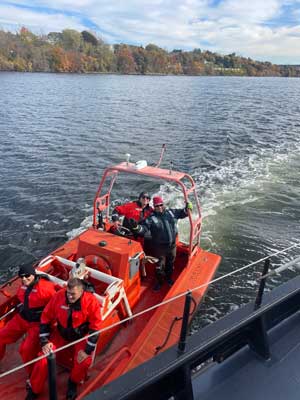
{"type": "Point", "coordinates": [165, 302]}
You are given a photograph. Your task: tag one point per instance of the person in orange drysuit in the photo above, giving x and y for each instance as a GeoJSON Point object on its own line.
{"type": "Point", "coordinates": [34, 294]}
{"type": "Point", "coordinates": [76, 313]}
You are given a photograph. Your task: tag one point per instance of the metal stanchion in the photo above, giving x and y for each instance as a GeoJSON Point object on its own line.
{"type": "Point", "coordinates": [51, 360]}
{"type": "Point", "coordinates": [262, 285]}
{"type": "Point", "coordinates": [184, 326]}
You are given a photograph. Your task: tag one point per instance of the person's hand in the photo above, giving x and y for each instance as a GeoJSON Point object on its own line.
{"type": "Point", "coordinates": [47, 348]}
{"type": "Point", "coordinates": [81, 356]}
{"type": "Point", "coordinates": [189, 206]}
{"type": "Point", "coordinates": [117, 224]}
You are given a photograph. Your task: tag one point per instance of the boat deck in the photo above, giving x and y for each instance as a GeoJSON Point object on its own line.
{"type": "Point", "coordinates": [246, 376]}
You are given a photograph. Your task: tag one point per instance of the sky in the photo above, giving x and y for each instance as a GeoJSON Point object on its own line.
{"type": "Point", "coordinates": [264, 30]}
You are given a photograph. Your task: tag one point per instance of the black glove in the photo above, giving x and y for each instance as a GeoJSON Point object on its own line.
{"type": "Point", "coordinates": [133, 225]}
{"type": "Point", "coordinates": [115, 217]}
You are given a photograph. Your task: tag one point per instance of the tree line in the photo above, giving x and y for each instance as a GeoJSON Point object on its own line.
{"type": "Point", "coordinates": [84, 52]}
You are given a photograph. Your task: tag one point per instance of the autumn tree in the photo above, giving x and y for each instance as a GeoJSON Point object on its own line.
{"type": "Point", "coordinates": [125, 60]}
{"type": "Point", "coordinates": [72, 51]}
{"type": "Point", "coordinates": [157, 59]}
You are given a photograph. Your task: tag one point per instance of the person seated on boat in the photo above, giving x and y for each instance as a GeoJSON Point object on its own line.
{"type": "Point", "coordinates": [138, 210]}
{"type": "Point", "coordinates": [76, 313]}
{"type": "Point", "coordinates": [162, 224]}
{"type": "Point", "coordinates": [33, 295]}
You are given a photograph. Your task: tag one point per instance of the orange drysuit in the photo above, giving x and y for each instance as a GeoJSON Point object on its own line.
{"type": "Point", "coordinates": [74, 321]}
{"type": "Point", "coordinates": [32, 299]}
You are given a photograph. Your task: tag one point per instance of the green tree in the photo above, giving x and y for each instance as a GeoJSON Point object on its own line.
{"type": "Point", "coordinates": [89, 38]}
{"type": "Point", "coordinates": [71, 39]}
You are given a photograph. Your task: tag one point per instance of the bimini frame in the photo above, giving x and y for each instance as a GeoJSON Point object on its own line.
{"type": "Point", "coordinates": [102, 200]}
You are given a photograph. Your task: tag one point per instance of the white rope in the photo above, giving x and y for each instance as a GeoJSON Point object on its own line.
{"type": "Point", "coordinates": [247, 266]}
{"type": "Point", "coordinates": [150, 309]}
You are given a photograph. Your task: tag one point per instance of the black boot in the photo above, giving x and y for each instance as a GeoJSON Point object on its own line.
{"type": "Point", "coordinates": [158, 283]}
{"type": "Point", "coordinates": [170, 281]}
{"type": "Point", "coordinates": [72, 390]}
{"type": "Point", "coordinates": [159, 276]}
{"type": "Point", "coordinates": [157, 287]}
{"type": "Point", "coordinates": [30, 394]}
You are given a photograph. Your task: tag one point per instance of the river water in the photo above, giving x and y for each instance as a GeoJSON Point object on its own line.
{"type": "Point", "coordinates": [238, 137]}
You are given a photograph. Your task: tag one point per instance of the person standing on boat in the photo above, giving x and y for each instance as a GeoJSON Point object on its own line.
{"type": "Point", "coordinates": [138, 210]}
{"type": "Point", "coordinates": [34, 294]}
{"type": "Point", "coordinates": [76, 313]}
{"type": "Point", "coordinates": [162, 225]}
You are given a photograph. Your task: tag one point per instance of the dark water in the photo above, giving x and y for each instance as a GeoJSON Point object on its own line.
{"type": "Point", "coordinates": [238, 137]}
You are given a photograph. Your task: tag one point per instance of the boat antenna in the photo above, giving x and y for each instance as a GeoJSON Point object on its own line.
{"type": "Point", "coordinates": [127, 155]}
{"type": "Point", "coordinates": [161, 155]}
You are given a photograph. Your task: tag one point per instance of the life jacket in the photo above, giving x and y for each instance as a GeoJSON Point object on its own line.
{"type": "Point", "coordinates": [163, 226]}
{"type": "Point", "coordinates": [34, 298]}
{"type": "Point", "coordinates": [74, 320]}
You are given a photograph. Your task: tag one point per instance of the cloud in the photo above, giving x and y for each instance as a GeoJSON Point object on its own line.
{"type": "Point", "coordinates": [13, 18]}
{"type": "Point", "coordinates": [266, 30]}
{"type": "Point", "coordinates": [250, 11]}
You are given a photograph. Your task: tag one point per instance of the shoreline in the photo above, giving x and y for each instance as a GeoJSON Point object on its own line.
{"type": "Point", "coordinates": [149, 74]}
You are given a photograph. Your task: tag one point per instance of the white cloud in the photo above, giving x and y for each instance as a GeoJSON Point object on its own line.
{"type": "Point", "coordinates": [251, 28]}
{"type": "Point", "coordinates": [41, 22]}
{"type": "Point", "coordinates": [251, 11]}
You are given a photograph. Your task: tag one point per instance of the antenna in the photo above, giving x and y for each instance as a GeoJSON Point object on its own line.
{"type": "Point", "coordinates": [127, 155]}
{"type": "Point", "coordinates": [161, 155]}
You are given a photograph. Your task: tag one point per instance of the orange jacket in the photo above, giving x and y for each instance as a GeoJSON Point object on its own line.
{"type": "Point", "coordinates": [133, 210]}
{"type": "Point", "coordinates": [74, 320]}
{"type": "Point", "coordinates": [34, 298]}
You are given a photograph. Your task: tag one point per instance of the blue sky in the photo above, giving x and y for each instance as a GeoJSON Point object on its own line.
{"type": "Point", "coordinates": [266, 30]}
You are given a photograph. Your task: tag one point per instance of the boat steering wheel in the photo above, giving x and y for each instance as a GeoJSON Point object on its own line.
{"type": "Point", "coordinates": [123, 231]}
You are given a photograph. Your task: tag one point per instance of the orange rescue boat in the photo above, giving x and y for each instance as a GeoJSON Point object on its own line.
{"type": "Point", "coordinates": [136, 326]}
